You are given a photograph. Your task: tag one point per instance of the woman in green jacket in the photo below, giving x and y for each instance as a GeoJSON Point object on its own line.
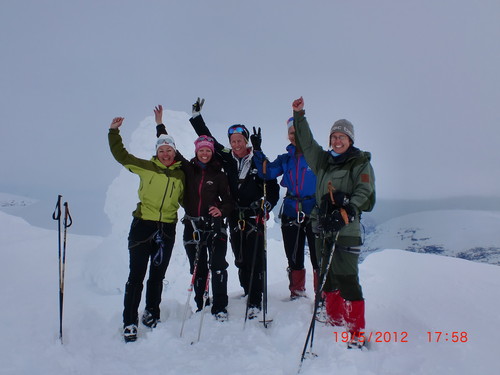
{"type": "Point", "coordinates": [152, 233]}
{"type": "Point", "coordinates": [345, 188]}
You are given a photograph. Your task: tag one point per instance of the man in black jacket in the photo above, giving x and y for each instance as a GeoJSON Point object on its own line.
{"type": "Point", "coordinates": [246, 222]}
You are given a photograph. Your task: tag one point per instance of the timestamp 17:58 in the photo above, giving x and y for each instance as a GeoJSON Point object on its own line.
{"type": "Point", "coordinates": [440, 336]}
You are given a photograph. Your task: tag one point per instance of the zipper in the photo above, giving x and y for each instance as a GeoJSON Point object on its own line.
{"type": "Point", "coordinates": [199, 191]}
{"type": "Point", "coordinates": [163, 200]}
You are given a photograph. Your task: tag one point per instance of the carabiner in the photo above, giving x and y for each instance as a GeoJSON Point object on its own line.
{"type": "Point", "coordinates": [196, 236]}
{"type": "Point", "coordinates": [300, 217]}
{"type": "Point", "coordinates": [241, 224]}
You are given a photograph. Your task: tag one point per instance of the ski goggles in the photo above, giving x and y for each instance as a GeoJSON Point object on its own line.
{"type": "Point", "coordinates": [236, 129]}
{"type": "Point", "coordinates": [167, 140]}
{"type": "Point", "coordinates": [204, 138]}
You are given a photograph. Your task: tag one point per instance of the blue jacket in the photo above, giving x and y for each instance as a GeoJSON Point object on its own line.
{"type": "Point", "coordinates": [298, 178]}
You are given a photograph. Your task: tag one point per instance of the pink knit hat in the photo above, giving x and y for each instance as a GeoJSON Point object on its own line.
{"type": "Point", "coordinates": [204, 141]}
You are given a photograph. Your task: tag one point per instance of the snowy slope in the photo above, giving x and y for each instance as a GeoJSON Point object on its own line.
{"type": "Point", "coordinates": [465, 234]}
{"type": "Point", "coordinates": [407, 295]}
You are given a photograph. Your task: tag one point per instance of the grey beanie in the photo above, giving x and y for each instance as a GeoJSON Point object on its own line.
{"type": "Point", "coordinates": [343, 126]}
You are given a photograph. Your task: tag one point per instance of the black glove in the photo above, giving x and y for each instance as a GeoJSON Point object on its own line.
{"type": "Point", "coordinates": [333, 217]}
{"type": "Point", "coordinates": [340, 199]}
{"type": "Point", "coordinates": [332, 222]}
{"type": "Point", "coordinates": [256, 139]}
{"type": "Point", "coordinates": [197, 106]}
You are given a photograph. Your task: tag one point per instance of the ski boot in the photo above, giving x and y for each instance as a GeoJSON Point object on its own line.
{"type": "Point", "coordinates": [356, 341]}
{"type": "Point", "coordinates": [253, 312]}
{"type": "Point", "coordinates": [130, 333]}
{"type": "Point", "coordinates": [221, 316]}
{"type": "Point", "coordinates": [149, 320]}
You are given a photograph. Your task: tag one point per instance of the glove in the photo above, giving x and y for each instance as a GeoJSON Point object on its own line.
{"type": "Point", "coordinates": [332, 222]}
{"type": "Point", "coordinates": [340, 199]}
{"type": "Point", "coordinates": [332, 217]}
{"type": "Point", "coordinates": [256, 139]}
{"type": "Point", "coordinates": [197, 106]}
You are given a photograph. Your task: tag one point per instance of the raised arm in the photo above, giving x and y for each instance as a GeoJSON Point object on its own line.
{"type": "Point", "coordinates": [313, 153]}
{"type": "Point", "coordinates": [273, 169]}
{"type": "Point", "coordinates": [199, 125]}
{"type": "Point", "coordinates": [161, 129]}
{"type": "Point", "coordinates": [119, 151]}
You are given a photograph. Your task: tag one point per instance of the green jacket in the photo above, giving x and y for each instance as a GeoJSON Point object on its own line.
{"type": "Point", "coordinates": [350, 173]}
{"type": "Point", "coordinates": [161, 189]}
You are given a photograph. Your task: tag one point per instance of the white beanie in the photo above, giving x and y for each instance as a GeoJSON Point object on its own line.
{"type": "Point", "coordinates": [165, 140]}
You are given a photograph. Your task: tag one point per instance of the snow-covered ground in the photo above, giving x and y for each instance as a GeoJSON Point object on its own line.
{"type": "Point", "coordinates": [409, 297]}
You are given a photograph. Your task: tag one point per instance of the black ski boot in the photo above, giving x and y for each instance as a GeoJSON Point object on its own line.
{"type": "Point", "coordinates": [130, 333]}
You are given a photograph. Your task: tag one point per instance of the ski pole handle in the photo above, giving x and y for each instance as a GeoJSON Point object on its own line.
{"type": "Point", "coordinates": [68, 220]}
{"type": "Point", "coordinates": [57, 211]}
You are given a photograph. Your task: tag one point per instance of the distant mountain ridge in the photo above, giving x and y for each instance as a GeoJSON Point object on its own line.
{"type": "Point", "coordinates": [464, 227]}
{"type": "Point", "coordinates": [466, 234]}
{"type": "Point", "coordinates": [11, 200]}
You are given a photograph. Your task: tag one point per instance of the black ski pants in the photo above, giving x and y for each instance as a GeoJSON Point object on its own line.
{"type": "Point", "coordinates": [212, 256]}
{"type": "Point", "coordinates": [247, 242]}
{"type": "Point", "coordinates": [148, 242]}
{"type": "Point", "coordinates": [294, 239]}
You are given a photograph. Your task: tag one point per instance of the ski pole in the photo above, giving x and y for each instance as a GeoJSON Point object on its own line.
{"type": "Point", "coordinates": [57, 216]}
{"type": "Point", "coordinates": [317, 297]}
{"type": "Point", "coordinates": [264, 250]}
{"type": "Point", "coordinates": [196, 239]}
{"type": "Point", "coordinates": [205, 297]}
{"type": "Point", "coordinates": [67, 223]}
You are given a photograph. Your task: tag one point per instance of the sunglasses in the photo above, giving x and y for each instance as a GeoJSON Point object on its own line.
{"type": "Point", "coordinates": [205, 138]}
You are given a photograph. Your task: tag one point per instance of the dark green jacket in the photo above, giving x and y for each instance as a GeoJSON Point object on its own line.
{"type": "Point", "coordinates": [161, 188]}
{"type": "Point", "coordinates": [350, 172]}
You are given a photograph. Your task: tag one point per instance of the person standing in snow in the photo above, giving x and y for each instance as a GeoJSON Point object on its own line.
{"type": "Point", "coordinates": [247, 190]}
{"type": "Point", "coordinates": [207, 201]}
{"type": "Point", "coordinates": [345, 188]}
{"type": "Point", "coordinates": [300, 182]}
{"type": "Point", "coordinates": [152, 233]}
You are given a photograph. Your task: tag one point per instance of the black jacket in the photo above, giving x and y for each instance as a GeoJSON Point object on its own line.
{"type": "Point", "coordinates": [205, 186]}
{"type": "Point", "coordinates": [251, 189]}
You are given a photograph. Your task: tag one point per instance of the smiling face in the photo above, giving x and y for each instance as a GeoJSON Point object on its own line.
{"type": "Point", "coordinates": [238, 145]}
{"type": "Point", "coordinates": [166, 155]}
{"type": "Point", "coordinates": [204, 154]}
{"type": "Point", "coordinates": [339, 142]}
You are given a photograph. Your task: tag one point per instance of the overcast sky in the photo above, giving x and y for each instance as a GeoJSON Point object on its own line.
{"type": "Point", "coordinates": [419, 79]}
